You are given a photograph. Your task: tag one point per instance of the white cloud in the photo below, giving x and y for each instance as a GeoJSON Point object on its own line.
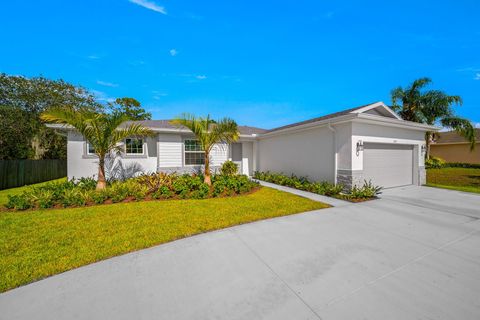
{"type": "Point", "coordinates": [107, 84]}
{"type": "Point", "coordinates": [102, 96]}
{"type": "Point", "coordinates": [173, 52]}
{"type": "Point", "coordinates": [149, 5]}
{"type": "Point", "coordinates": [157, 95]}
{"type": "Point", "coordinates": [477, 125]}
{"type": "Point", "coordinates": [201, 77]}
{"type": "Point", "coordinates": [93, 57]}
{"type": "Point", "coordinates": [477, 76]}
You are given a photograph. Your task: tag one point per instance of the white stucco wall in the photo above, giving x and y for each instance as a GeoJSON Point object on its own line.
{"type": "Point", "coordinates": [79, 164]}
{"type": "Point", "coordinates": [307, 153]}
{"type": "Point", "coordinates": [383, 134]}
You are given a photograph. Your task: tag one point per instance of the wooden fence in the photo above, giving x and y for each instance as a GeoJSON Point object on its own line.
{"type": "Point", "coordinates": [17, 173]}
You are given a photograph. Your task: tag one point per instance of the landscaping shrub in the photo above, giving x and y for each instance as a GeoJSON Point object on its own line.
{"type": "Point", "coordinates": [366, 191]}
{"type": "Point", "coordinates": [229, 168]}
{"type": "Point", "coordinates": [76, 193]}
{"type": "Point", "coordinates": [434, 163]}
{"type": "Point", "coordinates": [462, 165]}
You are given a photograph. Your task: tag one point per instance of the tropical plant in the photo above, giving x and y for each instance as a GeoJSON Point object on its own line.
{"type": "Point", "coordinates": [102, 130]}
{"type": "Point", "coordinates": [431, 107]}
{"type": "Point", "coordinates": [229, 168]}
{"type": "Point", "coordinates": [209, 132]}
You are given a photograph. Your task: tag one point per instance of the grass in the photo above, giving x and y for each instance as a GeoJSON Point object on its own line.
{"type": "Point", "coordinates": [37, 244]}
{"type": "Point", "coordinates": [461, 179]}
{"type": "Point", "coordinates": [15, 191]}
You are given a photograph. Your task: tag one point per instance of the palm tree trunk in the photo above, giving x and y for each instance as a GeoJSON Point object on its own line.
{"type": "Point", "coordinates": [427, 145]}
{"type": "Point", "coordinates": [101, 182]}
{"type": "Point", "coordinates": [207, 179]}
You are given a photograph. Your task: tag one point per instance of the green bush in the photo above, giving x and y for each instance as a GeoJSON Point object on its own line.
{"type": "Point", "coordinates": [434, 163]}
{"type": "Point", "coordinates": [157, 185]}
{"type": "Point", "coordinates": [367, 190]}
{"type": "Point", "coordinates": [18, 202]}
{"type": "Point", "coordinates": [162, 192]}
{"type": "Point", "coordinates": [229, 168]}
{"type": "Point", "coordinates": [100, 196]}
{"type": "Point", "coordinates": [462, 165]}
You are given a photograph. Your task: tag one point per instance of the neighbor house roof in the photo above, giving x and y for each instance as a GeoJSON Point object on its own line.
{"type": "Point", "coordinates": [453, 137]}
{"type": "Point", "coordinates": [165, 124]}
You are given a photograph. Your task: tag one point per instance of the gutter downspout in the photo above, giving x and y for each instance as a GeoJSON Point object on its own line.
{"type": "Point", "coordinates": [334, 152]}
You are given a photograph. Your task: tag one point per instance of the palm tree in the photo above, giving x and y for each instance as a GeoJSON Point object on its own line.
{"type": "Point", "coordinates": [102, 131]}
{"type": "Point", "coordinates": [431, 107]}
{"type": "Point", "coordinates": [209, 132]}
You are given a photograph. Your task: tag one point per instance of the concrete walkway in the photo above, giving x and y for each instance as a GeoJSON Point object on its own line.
{"type": "Point", "coordinates": [414, 254]}
{"type": "Point", "coordinates": [312, 196]}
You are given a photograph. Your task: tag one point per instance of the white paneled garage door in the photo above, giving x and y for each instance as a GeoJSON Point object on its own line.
{"type": "Point", "coordinates": [388, 165]}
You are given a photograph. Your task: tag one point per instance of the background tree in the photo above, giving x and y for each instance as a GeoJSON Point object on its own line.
{"type": "Point", "coordinates": [209, 132]}
{"type": "Point", "coordinates": [130, 107]}
{"type": "Point", "coordinates": [432, 107]}
{"type": "Point", "coordinates": [26, 99]}
{"type": "Point", "coordinates": [102, 130]}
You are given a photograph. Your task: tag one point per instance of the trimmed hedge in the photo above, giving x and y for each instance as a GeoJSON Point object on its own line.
{"type": "Point", "coordinates": [363, 192]}
{"type": "Point", "coordinates": [78, 193]}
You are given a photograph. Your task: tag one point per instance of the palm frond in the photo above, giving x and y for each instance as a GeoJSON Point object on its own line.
{"type": "Point", "coordinates": [463, 127]}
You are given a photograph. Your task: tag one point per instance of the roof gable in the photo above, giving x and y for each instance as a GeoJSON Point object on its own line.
{"type": "Point", "coordinates": [378, 109]}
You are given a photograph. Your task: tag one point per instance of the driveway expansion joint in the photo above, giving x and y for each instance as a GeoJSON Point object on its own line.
{"type": "Point", "coordinates": [275, 273]}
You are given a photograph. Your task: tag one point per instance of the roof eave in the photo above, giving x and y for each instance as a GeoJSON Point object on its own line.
{"type": "Point", "coordinates": [362, 117]}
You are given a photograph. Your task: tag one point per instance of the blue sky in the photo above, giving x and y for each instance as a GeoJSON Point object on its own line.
{"type": "Point", "coordinates": [264, 63]}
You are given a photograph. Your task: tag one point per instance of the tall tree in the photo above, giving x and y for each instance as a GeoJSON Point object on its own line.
{"type": "Point", "coordinates": [29, 97]}
{"type": "Point", "coordinates": [131, 107]}
{"type": "Point", "coordinates": [209, 132]}
{"type": "Point", "coordinates": [433, 107]}
{"type": "Point", "coordinates": [102, 130]}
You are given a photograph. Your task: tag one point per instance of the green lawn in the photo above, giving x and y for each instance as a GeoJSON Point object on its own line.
{"type": "Point", "coordinates": [4, 193]}
{"type": "Point", "coordinates": [37, 244]}
{"type": "Point", "coordinates": [462, 179]}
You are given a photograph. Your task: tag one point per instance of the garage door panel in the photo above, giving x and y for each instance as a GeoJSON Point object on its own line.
{"type": "Point", "coordinates": [388, 165]}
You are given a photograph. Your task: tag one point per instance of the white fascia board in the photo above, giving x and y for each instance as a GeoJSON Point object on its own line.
{"type": "Point", "coordinates": [379, 120]}
{"type": "Point", "coordinates": [376, 105]}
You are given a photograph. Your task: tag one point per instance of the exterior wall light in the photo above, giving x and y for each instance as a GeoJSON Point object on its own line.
{"type": "Point", "coordinates": [424, 149]}
{"type": "Point", "coordinates": [359, 146]}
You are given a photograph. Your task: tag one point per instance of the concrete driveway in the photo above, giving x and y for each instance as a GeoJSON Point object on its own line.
{"type": "Point", "coordinates": [414, 254]}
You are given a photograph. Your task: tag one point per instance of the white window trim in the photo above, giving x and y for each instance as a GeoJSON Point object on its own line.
{"type": "Point", "coordinates": [144, 142]}
{"type": "Point", "coordinates": [184, 151]}
{"type": "Point", "coordinates": [86, 153]}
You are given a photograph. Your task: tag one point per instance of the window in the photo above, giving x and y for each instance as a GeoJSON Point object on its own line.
{"type": "Point", "coordinates": [194, 154]}
{"type": "Point", "coordinates": [133, 146]}
{"type": "Point", "coordinates": [90, 149]}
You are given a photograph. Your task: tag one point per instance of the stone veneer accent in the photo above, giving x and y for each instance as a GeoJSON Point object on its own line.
{"type": "Point", "coordinates": [349, 177]}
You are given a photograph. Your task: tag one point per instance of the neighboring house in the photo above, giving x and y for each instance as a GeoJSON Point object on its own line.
{"type": "Point", "coordinates": [369, 142]}
{"type": "Point", "coordinates": [452, 147]}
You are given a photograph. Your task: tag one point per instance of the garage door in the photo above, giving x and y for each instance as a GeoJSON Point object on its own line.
{"type": "Point", "coordinates": [388, 165]}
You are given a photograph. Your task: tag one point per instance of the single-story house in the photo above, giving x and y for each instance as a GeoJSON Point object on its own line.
{"type": "Point", "coordinates": [370, 142]}
{"type": "Point", "coordinates": [452, 147]}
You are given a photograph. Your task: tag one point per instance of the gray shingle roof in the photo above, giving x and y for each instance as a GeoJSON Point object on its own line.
{"type": "Point", "coordinates": [328, 116]}
{"type": "Point", "coordinates": [165, 124]}
{"type": "Point", "coordinates": [453, 137]}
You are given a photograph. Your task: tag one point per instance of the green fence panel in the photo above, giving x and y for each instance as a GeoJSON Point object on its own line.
{"type": "Point", "coordinates": [17, 173]}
